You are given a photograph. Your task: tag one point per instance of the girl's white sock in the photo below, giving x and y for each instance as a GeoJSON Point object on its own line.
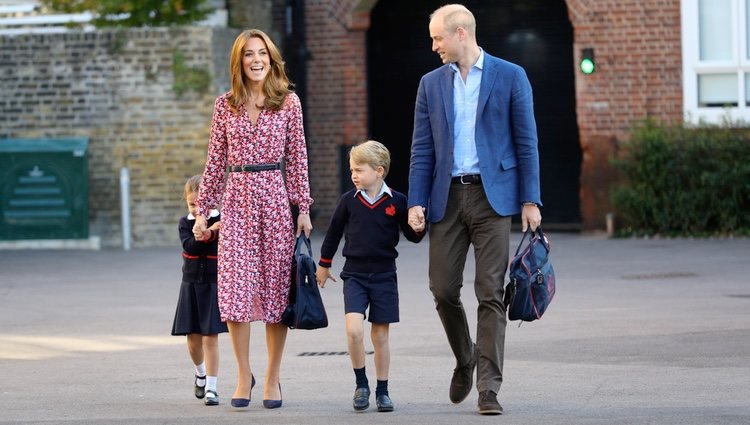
{"type": "Point", "coordinates": [211, 383]}
{"type": "Point", "coordinates": [200, 370]}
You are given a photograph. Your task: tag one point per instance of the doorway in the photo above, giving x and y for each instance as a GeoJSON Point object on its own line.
{"type": "Point", "coordinates": [535, 34]}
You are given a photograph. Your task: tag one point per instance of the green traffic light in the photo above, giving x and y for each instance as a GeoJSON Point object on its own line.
{"type": "Point", "coordinates": [587, 66]}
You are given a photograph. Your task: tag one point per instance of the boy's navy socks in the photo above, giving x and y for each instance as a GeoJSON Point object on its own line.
{"type": "Point", "coordinates": [382, 388]}
{"type": "Point", "coordinates": [361, 378]}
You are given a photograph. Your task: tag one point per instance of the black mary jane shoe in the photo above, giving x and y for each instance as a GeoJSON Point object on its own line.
{"type": "Point", "coordinates": [385, 404]}
{"type": "Point", "coordinates": [361, 399]}
{"type": "Point", "coordinates": [212, 398]}
{"type": "Point", "coordinates": [199, 391]}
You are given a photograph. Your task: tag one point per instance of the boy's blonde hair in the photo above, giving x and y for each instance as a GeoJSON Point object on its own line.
{"type": "Point", "coordinates": [192, 185]}
{"type": "Point", "coordinates": [372, 153]}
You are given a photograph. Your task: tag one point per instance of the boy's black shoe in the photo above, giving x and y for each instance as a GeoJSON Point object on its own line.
{"type": "Point", "coordinates": [488, 404]}
{"type": "Point", "coordinates": [384, 403]}
{"type": "Point", "coordinates": [361, 399]}
{"type": "Point", "coordinates": [463, 379]}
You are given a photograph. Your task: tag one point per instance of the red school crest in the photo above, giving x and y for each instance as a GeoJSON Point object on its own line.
{"type": "Point", "coordinates": [390, 210]}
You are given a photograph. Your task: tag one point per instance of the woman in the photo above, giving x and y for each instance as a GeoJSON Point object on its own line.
{"type": "Point", "coordinates": [254, 125]}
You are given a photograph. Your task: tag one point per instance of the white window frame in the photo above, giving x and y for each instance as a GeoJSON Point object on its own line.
{"type": "Point", "coordinates": [692, 66]}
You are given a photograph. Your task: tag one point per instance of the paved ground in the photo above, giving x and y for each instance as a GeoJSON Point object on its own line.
{"type": "Point", "coordinates": [641, 331]}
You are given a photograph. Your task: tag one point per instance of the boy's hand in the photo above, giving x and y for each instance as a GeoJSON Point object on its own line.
{"type": "Point", "coordinates": [322, 274]}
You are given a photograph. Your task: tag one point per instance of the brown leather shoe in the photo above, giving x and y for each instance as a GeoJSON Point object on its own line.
{"type": "Point", "coordinates": [488, 404]}
{"type": "Point", "coordinates": [463, 379]}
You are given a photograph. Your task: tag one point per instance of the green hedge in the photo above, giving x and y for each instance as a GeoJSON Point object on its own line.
{"type": "Point", "coordinates": [684, 181]}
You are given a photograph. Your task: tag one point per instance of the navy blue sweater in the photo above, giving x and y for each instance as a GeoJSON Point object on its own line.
{"type": "Point", "coordinates": [198, 257]}
{"type": "Point", "coordinates": [371, 232]}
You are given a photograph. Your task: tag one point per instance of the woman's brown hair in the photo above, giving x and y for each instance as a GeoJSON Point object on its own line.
{"type": "Point", "coordinates": [276, 86]}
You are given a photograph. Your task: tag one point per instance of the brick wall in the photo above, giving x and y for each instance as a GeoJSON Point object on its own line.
{"type": "Point", "coordinates": [336, 107]}
{"type": "Point", "coordinates": [246, 14]}
{"type": "Point", "coordinates": [116, 88]}
{"type": "Point", "coordinates": [638, 74]}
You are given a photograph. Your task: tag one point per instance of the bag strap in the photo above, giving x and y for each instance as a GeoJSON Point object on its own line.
{"type": "Point", "coordinates": [298, 247]}
{"type": "Point", "coordinates": [528, 232]}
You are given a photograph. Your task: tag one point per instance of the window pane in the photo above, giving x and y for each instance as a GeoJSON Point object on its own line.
{"type": "Point", "coordinates": [717, 90]}
{"type": "Point", "coordinates": [715, 22]}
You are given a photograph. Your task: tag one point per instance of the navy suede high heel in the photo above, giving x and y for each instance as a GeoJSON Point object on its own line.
{"type": "Point", "coordinates": [244, 402]}
{"type": "Point", "coordinates": [273, 404]}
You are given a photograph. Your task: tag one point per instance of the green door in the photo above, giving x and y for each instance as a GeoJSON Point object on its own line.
{"type": "Point", "coordinates": [44, 189]}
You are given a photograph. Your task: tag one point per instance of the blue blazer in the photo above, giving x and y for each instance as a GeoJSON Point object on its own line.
{"type": "Point", "coordinates": [505, 137]}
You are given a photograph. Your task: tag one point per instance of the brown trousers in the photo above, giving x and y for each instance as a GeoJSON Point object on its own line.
{"type": "Point", "coordinates": [469, 219]}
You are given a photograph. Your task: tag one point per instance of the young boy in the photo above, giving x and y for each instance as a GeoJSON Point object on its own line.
{"type": "Point", "coordinates": [370, 216]}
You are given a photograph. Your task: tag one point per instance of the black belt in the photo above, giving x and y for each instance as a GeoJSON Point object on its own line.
{"type": "Point", "coordinates": [254, 167]}
{"type": "Point", "coordinates": [467, 179]}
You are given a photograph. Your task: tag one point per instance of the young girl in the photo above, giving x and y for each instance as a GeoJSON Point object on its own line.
{"type": "Point", "coordinates": [197, 314]}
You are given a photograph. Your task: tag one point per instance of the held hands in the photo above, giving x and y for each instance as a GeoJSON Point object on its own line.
{"type": "Point", "coordinates": [206, 235]}
{"type": "Point", "coordinates": [530, 216]}
{"type": "Point", "coordinates": [416, 218]}
{"type": "Point", "coordinates": [200, 231]}
{"type": "Point", "coordinates": [322, 274]}
{"type": "Point", "coordinates": [304, 225]}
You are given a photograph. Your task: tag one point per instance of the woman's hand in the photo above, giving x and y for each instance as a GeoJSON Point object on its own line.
{"type": "Point", "coordinates": [199, 228]}
{"type": "Point", "coordinates": [304, 225]}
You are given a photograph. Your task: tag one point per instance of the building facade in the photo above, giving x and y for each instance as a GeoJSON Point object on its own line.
{"type": "Point", "coordinates": [356, 65]}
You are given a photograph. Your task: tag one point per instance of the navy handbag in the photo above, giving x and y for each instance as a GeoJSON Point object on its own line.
{"type": "Point", "coordinates": [532, 279]}
{"type": "Point", "coordinates": [305, 309]}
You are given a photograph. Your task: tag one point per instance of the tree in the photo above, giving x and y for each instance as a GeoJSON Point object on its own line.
{"type": "Point", "coordinates": [135, 13]}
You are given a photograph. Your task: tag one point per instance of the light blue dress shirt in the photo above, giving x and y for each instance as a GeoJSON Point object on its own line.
{"type": "Point", "coordinates": [383, 190]}
{"type": "Point", "coordinates": [465, 99]}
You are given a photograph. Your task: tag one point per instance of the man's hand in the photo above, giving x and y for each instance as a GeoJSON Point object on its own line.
{"type": "Point", "coordinates": [416, 218]}
{"type": "Point", "coordinates": [530, 216]}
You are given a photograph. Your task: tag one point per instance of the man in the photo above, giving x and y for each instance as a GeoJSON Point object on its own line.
{"type": "Point", "coordinates": [474, 163]}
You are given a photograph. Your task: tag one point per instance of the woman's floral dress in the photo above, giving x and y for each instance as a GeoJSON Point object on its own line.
{"type": "Point", "coordinates": [257, 234]}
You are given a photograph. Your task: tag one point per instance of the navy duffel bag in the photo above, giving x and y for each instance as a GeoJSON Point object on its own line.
{"type": "Point", "coordinates": [532, 279]}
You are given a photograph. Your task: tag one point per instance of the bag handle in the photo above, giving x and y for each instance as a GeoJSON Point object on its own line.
{"type": "Point", "coordinates": [528, 232]}
{"type": "Point", "coordinates": [298, 247]}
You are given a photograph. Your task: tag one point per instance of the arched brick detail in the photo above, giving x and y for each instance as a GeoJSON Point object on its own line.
{"type": "Point", "coordinates": [639, 74]}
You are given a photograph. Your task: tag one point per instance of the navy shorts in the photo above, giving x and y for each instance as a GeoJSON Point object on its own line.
{"type": "Point", "coordinates": [378, 290]}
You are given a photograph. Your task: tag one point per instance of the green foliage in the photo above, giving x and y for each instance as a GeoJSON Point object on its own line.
{"type": "Point", "coordinates": [685, 181]}
{"type": "Point", "coordinates": [135, 13]}
{"type": "Point", "coordinates": [188, 78]}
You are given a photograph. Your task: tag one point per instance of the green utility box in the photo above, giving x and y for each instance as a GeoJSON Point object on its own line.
{"type": "Point", "coordinates": [44, 189]}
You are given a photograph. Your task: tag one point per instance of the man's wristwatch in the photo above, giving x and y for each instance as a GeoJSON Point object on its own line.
{"type": "Point", "coordinates": [529, 203]}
